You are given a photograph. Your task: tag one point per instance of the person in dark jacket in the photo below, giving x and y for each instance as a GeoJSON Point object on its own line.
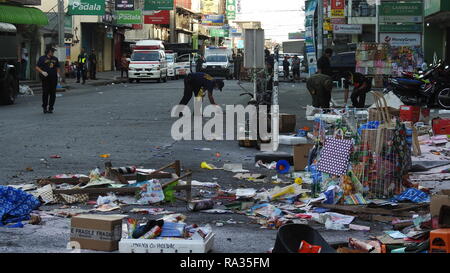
{"type": "Point", "coordinates": [196, 83]}
{"type": "Point", "coordinates": [92, 65]}
{"type": "Point", "coordinates": [81, 72]}
{"type": "Point", "coordinates": [323, 64]}
{"type": "Point", "coordinates": [361, 85]}
{"type": "Point", "coordinates": [286, 66]}
{"type": "Point", "coordinates": [48, 68]}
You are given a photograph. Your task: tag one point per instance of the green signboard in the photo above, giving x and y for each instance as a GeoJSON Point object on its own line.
{"type": "Point", "coordinates": [219, 32]}
{"type": "Point", "coordinates": [231, 9]}
{"type": "Point", "coordinates": [125, 17]}
{"type": "Point", "coordinates": [86, 7]}
{"type": "Point", "coordinates": [68, 23]}
{"type": "Point", "coordinates": [401, 9]}
{"type": "Point", "coordinates": [158, 5]}
{"type": "Point", "coordinates": [401, 28]}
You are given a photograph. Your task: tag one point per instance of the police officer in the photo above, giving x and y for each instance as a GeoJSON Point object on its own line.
{"type": "Point", "coordinates": [48, 68]}
{"type": "Point", "coordinates": [81, 71]}
{"type": "Point", "coordinates": [195, 83]}
{"type": "Point", "coordinates": [319, 86]}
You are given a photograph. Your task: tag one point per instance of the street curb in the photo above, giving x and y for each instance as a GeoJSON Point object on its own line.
{"type": "Point", "coordinates": [98, 83]}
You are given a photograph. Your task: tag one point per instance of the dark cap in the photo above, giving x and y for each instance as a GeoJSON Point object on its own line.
{"type": "Point", "coordinates": [220, 84]}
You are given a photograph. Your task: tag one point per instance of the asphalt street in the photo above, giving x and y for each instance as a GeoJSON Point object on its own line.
{"type": "Point", "coordinates": [132, 123]}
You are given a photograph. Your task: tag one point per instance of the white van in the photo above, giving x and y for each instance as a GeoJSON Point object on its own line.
{"type": "Point", "coordinates": [148, 61]}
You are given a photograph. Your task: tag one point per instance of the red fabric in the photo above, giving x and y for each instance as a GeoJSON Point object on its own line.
{"type": "Point", "coordinates": [308, 248]}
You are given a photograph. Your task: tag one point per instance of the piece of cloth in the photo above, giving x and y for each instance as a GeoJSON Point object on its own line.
{"type": "Point", "coordinates": [335, 156]}
{"type": "Point", "coordinates": [324, 65]}
{"type": "Point", "coordinates": [320, 86]}
{"type": "Point", "coordinates": [49, 92]}
{"type": "Point", "coordinates": [49, 65]}
{"type": "Point", "coordinates": [16, 205]}
{"type": "Point", "coordinates": [412, 194]}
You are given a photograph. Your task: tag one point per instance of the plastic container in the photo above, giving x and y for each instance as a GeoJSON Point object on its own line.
{"type": "Point", "coordinates": [290, 236]}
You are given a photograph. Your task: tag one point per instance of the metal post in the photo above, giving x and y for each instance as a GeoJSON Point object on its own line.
{"type": "Point", "coordinates": [254, 65]}
{"type": "Point", "coordinates": [319, 28]}
{"type": "Point", "coordinates": [377, 25]}
{"type": "Point", "coordinates": [61, 43]}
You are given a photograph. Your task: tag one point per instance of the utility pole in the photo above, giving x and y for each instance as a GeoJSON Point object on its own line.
{"type": "Point", "coordinates": [173, 15]}
{"type": "Point", "coordinates": [319, 28]}
{"type": "Point", "coordinates": [61, 44]}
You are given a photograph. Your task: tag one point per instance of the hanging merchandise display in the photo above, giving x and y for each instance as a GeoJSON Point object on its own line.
{"type": "Point", "coordinates": [310, 43]}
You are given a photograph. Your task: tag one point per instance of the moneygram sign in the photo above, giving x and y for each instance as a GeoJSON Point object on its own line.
{"type": "Point", "coordinates": [86, 7]}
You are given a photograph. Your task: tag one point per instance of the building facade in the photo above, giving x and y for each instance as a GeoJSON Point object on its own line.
{"type": "Point", "coordinates": [437, 30]}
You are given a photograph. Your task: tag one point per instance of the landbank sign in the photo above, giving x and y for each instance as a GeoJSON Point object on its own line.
{"type": "Point", "coordinates": [86, 7]}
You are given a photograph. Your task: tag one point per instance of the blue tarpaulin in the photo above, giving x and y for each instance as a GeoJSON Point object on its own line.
{"type": "Point", "coordinates": [16, 205]}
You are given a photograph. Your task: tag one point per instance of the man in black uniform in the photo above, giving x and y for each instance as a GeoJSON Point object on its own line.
{"type": "Point", "coordinates": [323, 64]}
{"type": "Point", "coordinates": [48, 68]}
{"type": "Point", "coordinates": [81, 71]}
{"type": "Point", "coordinates": [361, 84]}
{"type": "Point", "coordinates": [195, 83]}
{"type": "Point", "coordinates": [92, 65]}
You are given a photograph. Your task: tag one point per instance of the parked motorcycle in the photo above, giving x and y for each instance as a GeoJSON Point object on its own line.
{"type": "Point", "coordinates": [427, 89]}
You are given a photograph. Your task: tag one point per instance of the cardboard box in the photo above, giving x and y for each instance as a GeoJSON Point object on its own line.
{"type": "Point", "coordinates": [438, 200]}
{"type": "Point", "coordinates": [301, 153]}
{"type": "Point", "coordinates": [288, 123]}
{"type": "Point", "coordinates": [97, 232]}
{"type": "Point", "coordinates": [167, 245]}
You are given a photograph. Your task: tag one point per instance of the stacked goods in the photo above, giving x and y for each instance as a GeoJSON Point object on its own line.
{"type": "Point", "coordinates": [373, 59]}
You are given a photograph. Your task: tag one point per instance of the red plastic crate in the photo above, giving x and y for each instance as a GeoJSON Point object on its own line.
{"type": "Point", "coordinates": [441, 126]}
{"type": "Point", "coordinates": [409, 113]}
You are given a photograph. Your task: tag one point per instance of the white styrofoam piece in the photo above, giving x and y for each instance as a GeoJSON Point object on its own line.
{"type": "Point", "coordinates": [166, 246]}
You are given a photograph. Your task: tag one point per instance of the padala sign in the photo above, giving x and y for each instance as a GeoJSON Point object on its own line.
{"type": "Point", "coordinates": [129, 17]}
{"type": "Point", "coordinates": [86, 7]}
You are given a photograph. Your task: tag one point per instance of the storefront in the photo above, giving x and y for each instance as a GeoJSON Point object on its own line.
{"type": "Point", "coordinates": [27, 21]}
{"type": "Point", "coordinates": [437, 30]}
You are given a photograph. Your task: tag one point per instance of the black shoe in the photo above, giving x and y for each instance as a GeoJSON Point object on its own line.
{"type": "Point", "coordinates": [45, 111]}
{"type": "Point", "coordinates": [84, 82]}
{"type": "Point", "coordinates": [50, 111]}
{"type": "Point", "coordinates": [78, 81]}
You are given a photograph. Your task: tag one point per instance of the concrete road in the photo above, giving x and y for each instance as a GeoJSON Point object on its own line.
{"type": "Point", "coordinates": [132, 123]}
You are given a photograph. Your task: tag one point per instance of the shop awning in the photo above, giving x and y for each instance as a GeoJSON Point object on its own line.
{"type": "Point", "coordinates": [22, 15]}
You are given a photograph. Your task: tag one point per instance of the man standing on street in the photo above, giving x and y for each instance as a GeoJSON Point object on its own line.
{"type": "Point", "coordinates": [92, 65]}
{"type": "Point", "coordinates": [81, 71]}
{"type": "Point", "coordinates": [48, 68]}
{"type": "Point", "coordinates": [361, 84]}
{"type": "Point", "coordinates": [323, 64]}
{"type": "Point", "coordinates": [286, 66]}
{"type": "Point", "coordinates": [296, 67]}
{"type": "Point", "coordinates": [320, 86]}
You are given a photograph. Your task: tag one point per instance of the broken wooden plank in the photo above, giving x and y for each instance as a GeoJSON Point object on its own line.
{"type": "Point", "coordinates": [58, 181]}
{"type": "Point", "coordinates": [125, 190]}
{"type": "Point", "coordinates": [362, 209]}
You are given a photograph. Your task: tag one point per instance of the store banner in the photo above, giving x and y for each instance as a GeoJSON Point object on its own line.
{"type": "Point", "coordinates": [347, 29]}
{"type": "Point", "coordinates": [210, 6]}
{"type": "Point", "coordinates": [86, 7]}
{"type": "Point", "coordinates": [124, 4]}
{"type": "Point", "coordinates": [401, 39]}
{"type": "Point", "coordinates": [157, 17]}
{"type": "Point", "coordinates": [125, 17]}
{"type": "Point", "coordinates": [150, 5]}
{"type": "Point", "coordinates": [401, 12]}
{"type": "Point", "coordinates": [338, 8]}
{"type": "Point", "coordinates": [310, 44]}
{"type": "Point", "coordinates": [231, 9]}
{"type": "Point", "coordinates": [213, 20]}
{"type": "Point", "coordinates": [296, 35]}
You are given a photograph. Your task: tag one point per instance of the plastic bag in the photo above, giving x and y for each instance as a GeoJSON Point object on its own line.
{"type": "Point", "coordinates": [151, 192]}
